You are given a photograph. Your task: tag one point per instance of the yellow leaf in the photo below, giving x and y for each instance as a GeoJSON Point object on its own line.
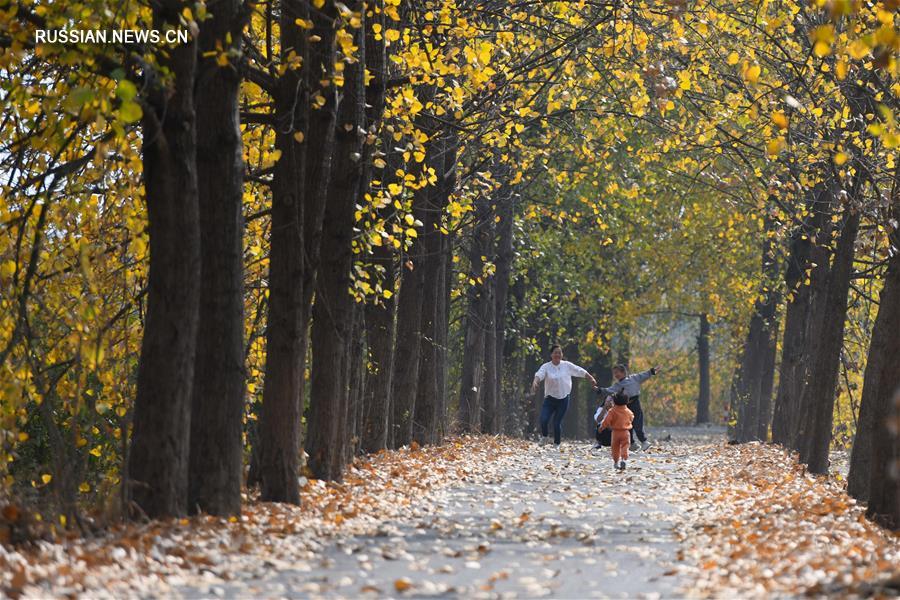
{"type": "Point", "coordinates": [822, 49]}
{"type": "Point", "coordinates": [840, 158]}
{"type": "Point", "coordinates": [840, 69]}
{"type": "Point", "coordinates": [318, 3]}
{"type": "Point", "coordinates": [401, 585]}
{"type": "Point", "coordinates": [46, 478]}
{"type": "Point", "coordinates": [23, 437]}
{"type": "Point", "coordinates": [751, 73]}
{"type": "Point", "coordinates": [387, 294]}
{"type": "Point", "coordinates": [412, 233]}
{"type": "Point", "coordinates": [780, 119]}
{"type": "Point", "coordinates": [8, 268]}
{"type": "Point", "coordinates": [733, 58]}
{"type": "Point", "coordinates": [859, 49]}
{"type": "Point", "coordinates": [84, 488]}
{"type": "Point", "coordinates": [392, 35]}
{"type": "Point", "coordinates": [298, 136]}
{"type": "Point", "coordinates": [379, 163]}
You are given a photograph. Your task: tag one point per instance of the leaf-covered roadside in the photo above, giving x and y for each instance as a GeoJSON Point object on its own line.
{"type": "Point", "coordinates": [759, 524]}
{"type": "Point", "coordinates": [161, 556]}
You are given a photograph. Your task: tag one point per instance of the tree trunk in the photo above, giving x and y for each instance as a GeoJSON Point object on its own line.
{"type": "Point", "coordinates": [442, 331]}
{"type": "Point", "coordinates": [792, 373]}
{"type": "Point", "coordinates": [379, 317]}
{"type": "Point", "coordinates": [703, 357]}
{"type": "Point", "coordinates": [408, 342]}
{"type": "Point", "coordinates": [158, 460]}
{"type": "Point", "coordinates": [321, 138]}
{"type": "Point", "coordinates": [489, 385]}
{"type": "Point", "coordinates": [477, 314]}
{"type": "Point", "coordinates": [442, 156]}
{"type": "Point", "coordinates": [333, 310]}
{"type": "Point", "coordinates": [875, 460]}
{"type": "Point", "coordinates": [881, 382]}
{"type": "Point", "coordinates": [216, 447]}
{"type": "Point", "coordinates": [380, 344]}
{"type": "Point", "coordinates": [819, 394]}
{"type": "Point", "coordinates": [279, 421]}
{"type": "Point", "coordinates": [503, 262]}
{"type": "Point", "coordinates": [573, 422]}
{"type": "Point", "coordinates": [406, 350]}
{"type": "Point", "coordinates": [752, 387]}
{"type": "Point", "coordinates": [767, 379]}
{"type": "Point", "coordinates": [356, 378]}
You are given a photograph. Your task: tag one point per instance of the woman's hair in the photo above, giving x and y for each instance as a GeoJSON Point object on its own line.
{"type": "Point", "coordinates": [620, 399]}
{"type": "Point", "coordinates": [555, 347]}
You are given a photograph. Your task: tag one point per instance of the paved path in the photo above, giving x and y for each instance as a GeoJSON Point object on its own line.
{"type": "Point", "coordinates": [545, 522]}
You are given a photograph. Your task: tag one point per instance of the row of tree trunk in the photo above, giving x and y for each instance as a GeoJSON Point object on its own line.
{"type": "Point", "coordinates": [185, 449]}
{"type": "Point", "coordinates": [378, 369]}
{"type": "Point", "coordinates": [818, 277]}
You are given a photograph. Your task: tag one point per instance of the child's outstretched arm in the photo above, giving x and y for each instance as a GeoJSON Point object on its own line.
{"type": "Point", "coordinates": [611, 390]}
{"type": "Point", "coordinates": [605, 423]}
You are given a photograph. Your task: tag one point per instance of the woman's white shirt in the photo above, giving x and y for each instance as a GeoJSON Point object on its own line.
{"type": "Point", "coordinates": [558, 378]}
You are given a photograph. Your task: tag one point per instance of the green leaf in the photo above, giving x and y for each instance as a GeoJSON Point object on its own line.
{"type": "Point", "coordinates": [130, 112]}
{"type": "Point", "coordinates": [126, 90]}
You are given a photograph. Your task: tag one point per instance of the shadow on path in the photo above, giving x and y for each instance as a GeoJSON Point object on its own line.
{"type": "Point", "coordinates": [547, 522]}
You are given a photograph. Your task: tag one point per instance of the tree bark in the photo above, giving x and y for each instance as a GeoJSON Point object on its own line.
{"type": "Point", "coordinates": [875, 460]}
{"type": "Point", "coordinates": [324, 103]}
{"type": "Point", "coordinates": [279, 421]}
{"type": "Point", "coordinates": [767, 379]}
{"type": "Point", "coordinates": [158, 460]}
{"type": "Point", "coordinates": [380, 344]}
{"type": "Point", "coordinates": [428, 401]}
{"type": "Point", "coordinates": [503, 262]}
{"type": "Point", "coordinates": [703, 358]}
{"type": "Point", "coordinates": [356, 378]}
{"type": "Point", "coordinates": [792, 373]}
{"type": "Point", "coordinates": [379, 316]}
{"type": "Point", "coordinates": [818, 397]}
{"type": "Point", "coordinates": [752, 387]}
{"type": "Point", "coordinates": [216, 450]}
{"type": "Point", "coordinates": [489, 387]}
{"type": "Point", "coordinates": [442, 330]}
{"type": "Point", "coordinates": [477, 314]}
{"type": "Point", "coordinates": [328, 412]}
{"type": "Point", "coordinates": [406, 350]}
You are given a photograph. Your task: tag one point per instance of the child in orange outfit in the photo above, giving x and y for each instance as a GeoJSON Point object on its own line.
{"type": "Point", "coordinates": [619, 419]}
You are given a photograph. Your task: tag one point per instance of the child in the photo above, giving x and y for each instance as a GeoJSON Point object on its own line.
{"type": "Point", "coordinates": [630, 385]}
{"type": "Point", "coordinates": [604, 437]}
{"type": "Point", "coordinates": [619, 420]}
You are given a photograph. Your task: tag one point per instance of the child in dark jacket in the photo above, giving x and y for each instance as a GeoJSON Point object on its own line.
{"type": "Point", "coordinates": [619, 419]}
{"type": "Point", "coordinates": [604, 437]}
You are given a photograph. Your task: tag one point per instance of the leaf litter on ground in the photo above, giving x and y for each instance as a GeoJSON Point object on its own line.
{"type": "Point", "coordinates": [159, 557]}
{"type": "Point", "coordinates": [759, 525]}
{"type": "Point", "coordinates": [506, 518]}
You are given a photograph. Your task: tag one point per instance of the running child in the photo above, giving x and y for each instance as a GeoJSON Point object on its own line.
{"type": "Point", "coordinates": [619, 420]}
{"type": "Point", "coordinates": [630, 385]}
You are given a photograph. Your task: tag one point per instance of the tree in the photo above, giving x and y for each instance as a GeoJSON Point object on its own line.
{"type": "Point", "coordinates": [703, 359]}
{"type": "Point", "coordinates": [279, 423]}
{"type": "Point", "coordinates": [217, 407]}
{"type": "Point", "coordinates": [332, 325]}
{"type": "Point", "coordinates": [158, 458]}
{"type": "Point", "coordinates": [876, 451]}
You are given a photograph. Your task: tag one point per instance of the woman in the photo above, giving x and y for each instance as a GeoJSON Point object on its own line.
{"type": "Point", "coordinates": [557, 377]}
